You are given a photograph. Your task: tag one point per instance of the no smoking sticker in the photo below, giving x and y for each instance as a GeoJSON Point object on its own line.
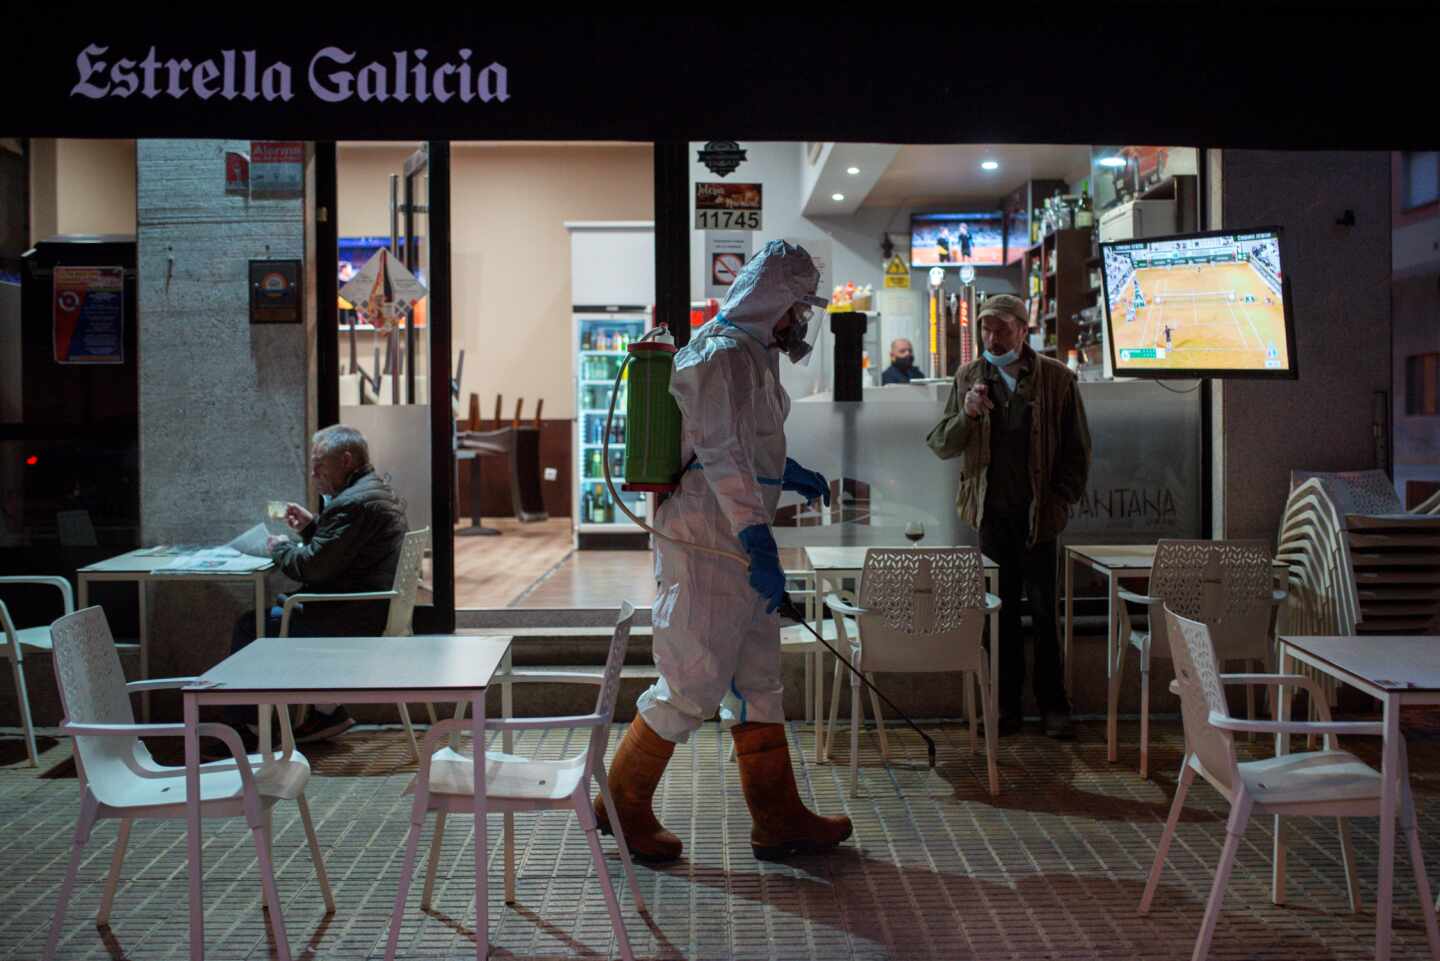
{"type": "Point", "coordinates": [724, 268]}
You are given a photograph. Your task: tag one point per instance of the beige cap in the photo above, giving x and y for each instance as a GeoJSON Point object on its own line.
{"type": "Point", "coordinates": [1005, 305]}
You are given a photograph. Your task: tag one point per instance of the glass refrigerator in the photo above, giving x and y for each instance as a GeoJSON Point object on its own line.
{"type": "Point", "coordinates": [601, 339]}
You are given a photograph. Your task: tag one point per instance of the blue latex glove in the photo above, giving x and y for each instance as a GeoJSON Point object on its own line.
{"type": "Point", "coordinates": [808, 483]}
{"type": "Point", "coordinates": [765, 574]}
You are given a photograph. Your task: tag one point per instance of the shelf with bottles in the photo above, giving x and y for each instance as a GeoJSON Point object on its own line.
{"type": "Point", "coordinates": [597, 507]}
{"type": "Point", "coordinates": [595, 398]}
{"type": "Point", "coordinates": [600, 368]}
{"type": "Point", "coordinates": [609, 335]}
{"type": "Point", "coordinates": [592, 429]}
{"type": "Point", "coordinates": [592, 463]}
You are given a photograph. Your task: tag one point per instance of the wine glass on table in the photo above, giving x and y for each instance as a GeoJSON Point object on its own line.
{"type": "Point", "coordinates": [915, 533]}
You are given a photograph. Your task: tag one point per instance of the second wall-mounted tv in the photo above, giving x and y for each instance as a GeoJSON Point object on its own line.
{"type": "Point", "coordinates": [1213, 304]}
{"type": "Point", "coordinates": [956, 239]}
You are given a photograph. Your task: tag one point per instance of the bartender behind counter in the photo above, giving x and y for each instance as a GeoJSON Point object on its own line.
{"type": "Point", "coordinates": [902, 369]}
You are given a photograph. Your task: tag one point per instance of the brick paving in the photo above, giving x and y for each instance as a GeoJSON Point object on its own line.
{"type": "Point", "coordinates": [1052, 868]}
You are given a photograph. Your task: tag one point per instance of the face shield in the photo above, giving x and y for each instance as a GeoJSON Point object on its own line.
{"type": "Point", "coordinates": [798, 340]}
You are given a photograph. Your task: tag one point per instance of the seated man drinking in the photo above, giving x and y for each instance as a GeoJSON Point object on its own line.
{"type": "Point", "coordinates": [351, 546]}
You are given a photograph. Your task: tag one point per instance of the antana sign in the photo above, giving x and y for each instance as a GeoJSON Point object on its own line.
{"type": "Point", "coordinates": [331, 76]}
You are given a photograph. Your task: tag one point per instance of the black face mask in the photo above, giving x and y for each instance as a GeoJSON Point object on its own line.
{"type": "Point", "coordinates": [904, 363]}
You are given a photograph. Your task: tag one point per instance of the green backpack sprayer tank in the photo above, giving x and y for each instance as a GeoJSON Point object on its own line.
{"type": "Point", "coordinates": [652, 418]}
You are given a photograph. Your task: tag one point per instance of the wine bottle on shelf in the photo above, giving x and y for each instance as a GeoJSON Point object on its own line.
{"type": "Point", "coordinates": [1085, 213]}
{"type": "Point", "coordinates": [587, 507]}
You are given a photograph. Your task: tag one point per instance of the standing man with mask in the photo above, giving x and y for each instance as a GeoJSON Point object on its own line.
{"type": "Point", "coordinates": [1017, 424]}
{"type": "Point", "coordinates": [717, 637]}
{"type": "Point", "coordinates": [902, 369]}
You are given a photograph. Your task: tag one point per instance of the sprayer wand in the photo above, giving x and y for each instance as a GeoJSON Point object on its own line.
{"type": "Point", "coordinates": [786, 609]}
{"type": "Point", "coordinates": [791, 610]}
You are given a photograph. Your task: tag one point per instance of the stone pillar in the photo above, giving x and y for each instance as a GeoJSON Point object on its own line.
{"type": "Point", "coordinates": [225, 407]}
{"type": "Point", "coordinates": [1340, 282]}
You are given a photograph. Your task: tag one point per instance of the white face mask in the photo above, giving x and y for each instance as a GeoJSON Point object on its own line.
{"type": "Point", "coordinates": [1003, 360]}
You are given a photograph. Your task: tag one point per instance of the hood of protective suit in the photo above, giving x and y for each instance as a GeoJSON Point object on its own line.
{"type": "Point", "coordinates": [780, 276]}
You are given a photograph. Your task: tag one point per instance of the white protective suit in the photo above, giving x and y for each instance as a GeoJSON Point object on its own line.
{"type": "Point", "coordinates": [713, 641]}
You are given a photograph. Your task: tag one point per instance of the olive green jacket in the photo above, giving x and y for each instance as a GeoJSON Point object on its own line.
{"type": "Point", "coordinates": [1059, 443]}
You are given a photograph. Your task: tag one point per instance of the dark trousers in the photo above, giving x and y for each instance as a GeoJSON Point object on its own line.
{"type": "Point", "coordinates": [1002, 538]}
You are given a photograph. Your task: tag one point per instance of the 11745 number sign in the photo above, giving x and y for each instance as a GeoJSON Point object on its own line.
{"type": "Point", "coordinates": [727, 220]}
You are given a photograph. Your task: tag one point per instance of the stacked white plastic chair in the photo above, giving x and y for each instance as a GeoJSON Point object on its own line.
{"type": "Point", "coordinates": [1394, 554]}
{"type": "Point", "coordinates": [1322, 600]}
{"type": "Point", "coordinates": [1358, 562]}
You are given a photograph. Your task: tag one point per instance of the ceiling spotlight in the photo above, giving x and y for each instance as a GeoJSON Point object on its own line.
{"type": "Point", "coordinates": [990, 165]}
{"type": "Point", "coordinates": [1112, 161]}
{"type": "Point", "coordinates": [852, 171]}
{"type": "Point", "coordinates": [837, 197]}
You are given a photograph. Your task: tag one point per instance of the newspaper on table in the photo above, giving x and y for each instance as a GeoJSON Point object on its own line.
{"type": "Point", "coordinates": [245, 554]}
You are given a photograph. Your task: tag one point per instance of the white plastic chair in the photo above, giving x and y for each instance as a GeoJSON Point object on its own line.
{"type": "Point", "coordinates": [1226, 584]}
{"type": "Point", "coordinates": [120, 780]}
{"type": "Point", "coordinates": [921, 610]}
{"type": "Point", "coordinates": [445, 784]}
{"type": "Point", "coordinates": [402, 609]}
{"type": "Point", "coordinates": [16, 641]}
{"type": "Point", "coordinates": [1327, 783]}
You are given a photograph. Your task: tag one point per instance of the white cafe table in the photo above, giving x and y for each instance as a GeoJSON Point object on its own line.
{"type": "Point", "coordinates": [1116, 563]}
{"type": "Point", "coordinates": [350, 670]}
{"type": "Point", "coordinates": [835, 565]}
{"type": "Point", "coordinates": [1396, 671]}
{"type": "Point", "coordinates": [142, 567]}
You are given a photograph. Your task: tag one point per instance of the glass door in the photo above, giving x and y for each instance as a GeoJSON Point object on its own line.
{"type": "Point", "coordinates": [601, 342]}
{"type": "Point", "coordinates": [385, 330]}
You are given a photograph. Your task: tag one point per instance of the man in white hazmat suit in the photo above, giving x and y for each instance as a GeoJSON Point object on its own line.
{"type": "Point", "coordinates": [717, 637]}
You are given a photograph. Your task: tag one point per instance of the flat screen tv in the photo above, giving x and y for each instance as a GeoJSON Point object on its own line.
{"type": "Point", "coordinates": [956, 239]}
{"type": "Point", "coordinates": [1213, 304]}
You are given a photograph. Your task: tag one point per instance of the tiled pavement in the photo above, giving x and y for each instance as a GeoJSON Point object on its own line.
{"type": "Point", "coordinates": [1052, 868]}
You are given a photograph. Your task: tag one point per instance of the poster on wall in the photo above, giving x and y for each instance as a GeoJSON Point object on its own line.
{"type": "Point", "coordinates": [275, 292]}
{"type": "Point", "coordinates": [89, 315]}
{"type": "Point", "coordinates": [728, 206]}
{"type": "Point", "coordinates": [237, 173]}
{"type": "Point", "coordinates": [725, 254]}
{"type": "Point", "coordinates": [277, 169]}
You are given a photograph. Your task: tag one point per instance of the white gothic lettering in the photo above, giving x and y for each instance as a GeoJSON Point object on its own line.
{"type": "Point", "coordinates": [333, 77]}
{"type": "Point", "coordinates": [407, 75]}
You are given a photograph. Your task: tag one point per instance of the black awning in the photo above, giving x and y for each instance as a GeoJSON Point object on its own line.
{"type": "Point", "coordinates": [1248, 76]}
